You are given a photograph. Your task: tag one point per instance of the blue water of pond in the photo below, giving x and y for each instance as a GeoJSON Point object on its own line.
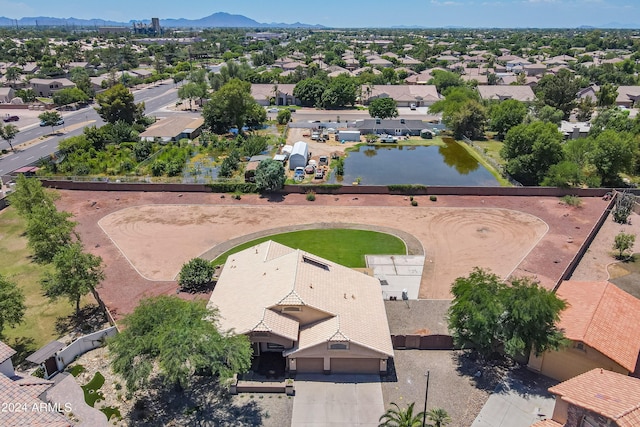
{"type": "Point", "coordinates": [428, 165]}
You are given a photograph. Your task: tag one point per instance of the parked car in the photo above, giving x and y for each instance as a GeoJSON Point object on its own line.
{"type": "Point", "coordinates": [58, 123]}
{"type": "Point", "coordinates": [272, 110]}
{"type": "Point", "coordinates": [412, 106]}
{"type": "Point", "coordinates": [298, 172]}
{"type": "Point", "coordinates": [11, 119]}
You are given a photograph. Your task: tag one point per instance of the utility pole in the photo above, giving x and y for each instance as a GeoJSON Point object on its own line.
{"type": "Point", "coordinates": [426, 394]}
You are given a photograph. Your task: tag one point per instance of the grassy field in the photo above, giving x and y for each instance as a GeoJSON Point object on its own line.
{"type": "Point", "coordinates": [492, 149]}
{"type": "Point", "coordinates": [41, 316]}
{"type": "Point", "coordinates": [345, 247]}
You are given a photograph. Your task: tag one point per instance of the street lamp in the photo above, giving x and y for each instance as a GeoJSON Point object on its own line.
{"type": "Point", "coordinates": [426, 393]}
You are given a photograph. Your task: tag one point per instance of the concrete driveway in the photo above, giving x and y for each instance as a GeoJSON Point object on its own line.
{"type": "Point", "coordinates": [517, 403]}
{"type": "Point", "coordinates": [337, 400]}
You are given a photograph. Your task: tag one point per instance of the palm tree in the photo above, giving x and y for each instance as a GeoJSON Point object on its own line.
{"type": "Point", "coordinates": [401, 417]}
{"type": "Point", "coordinates": [438, 417]}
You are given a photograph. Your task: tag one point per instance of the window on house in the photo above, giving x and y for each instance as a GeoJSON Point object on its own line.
{"type": "Point", "coordinates": [315, 263]}
{"type": "Point", "coordinates": [339, 346]}
{"type": "Point", "coordinates": [587, 421]}
{"type": "Point", "coordinates": [291, 309]}
{"type": "Point", "coordinates": [272, 346]}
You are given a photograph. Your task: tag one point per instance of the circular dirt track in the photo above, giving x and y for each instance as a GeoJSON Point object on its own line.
{"type": "Point", "coordinates": [457, 232]}
{"type": "Point", "coordinates": [158, 239]}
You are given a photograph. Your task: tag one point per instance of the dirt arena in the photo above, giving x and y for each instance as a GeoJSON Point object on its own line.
{"type": "Point", "coordinates": [144, 238]}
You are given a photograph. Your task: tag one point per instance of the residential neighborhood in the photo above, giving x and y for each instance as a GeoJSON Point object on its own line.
{"type": "Point", "coordinates": [218, 221]}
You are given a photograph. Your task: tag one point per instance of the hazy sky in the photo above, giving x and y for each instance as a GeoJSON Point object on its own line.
{"type": "Point", "coordinates": [350, 13]}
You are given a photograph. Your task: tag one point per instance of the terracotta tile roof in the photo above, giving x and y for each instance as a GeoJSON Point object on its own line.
{"type": "Point", "coordinates": [520, 93]}
{"type": "Point", "coordinates": [33, 385]}
{"type": "Point", "coordinates": [29, 413]}
{"type": "Point", "coordinates": [279, 324]}
{"type": "Point", "coordinates": [612, 395]}
{"type": "Point", "coordinates": [546, 423]}
{"type": "Point", "coordinates": [349, 303]}
{"type": "Point", "coordinates": [6, 352]}
{"type": "Point", "coordinates": [604, 317]}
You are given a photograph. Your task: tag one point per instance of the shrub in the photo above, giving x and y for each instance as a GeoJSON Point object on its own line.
{"type": "Point", "coordinates": [231, 187]}
{"type": "Point", "coordinates": [414, 203]}
{"type": "Point", "coordinates": [195, 275]}
{"type": "Point", "coordinates": [433, 198]}
{"type": "Point", "coordinates": [411, 198]}
{"type": "Point", "coordinates": [572, 201]}
{"type": "Point", "coordinates": [406, 188]}
{"type": "Point", "coordinates": [236, 196]}
{"type": "Point", "coordinates": [311, 196]}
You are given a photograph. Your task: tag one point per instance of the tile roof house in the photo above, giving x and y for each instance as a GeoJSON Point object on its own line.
{"type": "Point", "coordinates": [628, 96]}
{"type": "Point", "coordinates": [46, 87]}
{"type": "Point", "coordinates": [281, 93]}
{"type": "Point", "coordinates": [404, 95]}
{"type": "Point", "coordinates": [502, 92]}
{"type": "Point", "coordinates": [321, 316]}
{"type": "Point", "coordinates": [174, 128]}
{"type": "Point", "coordinates": [596, 398]}
{"type": "Point", "coordinates": [21, 395]}
{"type": "Point", "coordinates": [603, 324]}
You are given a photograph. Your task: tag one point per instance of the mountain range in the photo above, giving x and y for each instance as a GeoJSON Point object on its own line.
{"type": "Point", "coordinates": [216, 20]}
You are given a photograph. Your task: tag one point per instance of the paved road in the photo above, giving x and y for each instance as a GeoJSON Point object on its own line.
{"type": "Point", "coordinates": [34, 142]}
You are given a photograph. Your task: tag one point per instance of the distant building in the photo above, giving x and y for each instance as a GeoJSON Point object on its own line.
{"type": "Point", "coordinates": [155, 25]}
{"type": "Point", "coordinates": [264, 36]}
{"type": "Point", "coordinates": [46, 87]}
{"type": "Point", "coordinates": [148, 29]}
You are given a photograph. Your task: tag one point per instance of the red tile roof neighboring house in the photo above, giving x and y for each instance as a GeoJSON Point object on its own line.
{"type": "Point", "coordinates": [27, 409]}
{"type": "Point", "coordinates": [5, 352]}
{"type": "Point", "coordinates": [604, 317]}
{"type": "Point", "coordinates": [546, 423]}
{"type": "Point", "coordinates": [612, 395]}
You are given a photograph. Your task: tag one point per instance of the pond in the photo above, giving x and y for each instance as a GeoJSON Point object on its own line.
{"type": "Point", "coordinates": [428, 165]}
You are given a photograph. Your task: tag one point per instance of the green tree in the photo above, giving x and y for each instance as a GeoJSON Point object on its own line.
{"type": "Point", "coordinates": [487, 314]}
{"type": "Point", "coordinates": [558, 91]}
{"type": "Point", "coordinates": [505, 115]}
{"type": "Point", "coordinates": [48, 231]}
{"type": "Point", "coordinates": [585, 109]}
{"type": "Point", "coordinates": [28, 194]}
{"type": "Point", "coordinates": [117, 103]}
{"type": "Point", "coordinates": [50, 118]}
{"type": "Point", "coordinates": [284, 117]}
{"type": "Point", "coordinates": [69, 96]}
{"type": "Point", "coordinates": [75, 274]}
{"type": "Point", "coordinates": [623, 243]}
{"type": "Point", "coordinates": [612, 153]}
{"type": "Point", "coordinates": [475, 312]}
{"type": "Point", "coordinates": [13, 74]}
{"type": "Point", "coordinates": [12, 306]}
{"type": "Point", "coordinates": [468, 121]}
{"type": "Point", "coordinates": [8, 133]}
{"type": "Point", "coordinates": [175, 339]}
{"type": "Point", "coordinates": [196, 275]}
{"type": "Point", "coordinates": [80, 77]}
{"type": "Point", "coordinates": [444, 80]}
{"type": "Point", "coordinates": [397, 417]}
{"type": "Point", "coordinates": [607, 95]}
{"type": "Point", "coordinates": [232, 106]}
{"type": "Point", "coordinates": [254, 144]}
{"type": "Point", "coordinates": [192, 91]}
{"type": "Point", "coordinates": [270, 175]}
{"type": "Point", "coordinates": [383, 108]}
{"type": "Point", "coordinates": [309, 91]}
{"type": "Point", "coordinates": [530, 150]}
{"type": "Point", "coordinates": [529, 320]}
{"type": "Point", "coordinates": [549, 114]}
{"type": "Point", "coordinates": [342, 91]}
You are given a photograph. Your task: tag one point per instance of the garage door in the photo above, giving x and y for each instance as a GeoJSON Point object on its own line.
{"type": "Point", "coordinates": [355, 366]}
{"type": "Point", "coordinates": [310, 365]}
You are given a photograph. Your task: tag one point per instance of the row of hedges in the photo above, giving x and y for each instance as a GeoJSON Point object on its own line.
{"type": "Point", "coordinates": [232, 187]}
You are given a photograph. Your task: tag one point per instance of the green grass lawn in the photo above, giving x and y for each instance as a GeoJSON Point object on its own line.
{"type": "Point", "coordinates": [343, 246]}
{"type": "Point", "coordinates": [39, 324]}
{"type": "Point", "coordinates": [492, 149]}
{"type": "Point", "coordinates": [91, 389]}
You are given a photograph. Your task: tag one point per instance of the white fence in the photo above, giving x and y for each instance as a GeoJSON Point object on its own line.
{"type": "Point", "coordinates": [83, 344]}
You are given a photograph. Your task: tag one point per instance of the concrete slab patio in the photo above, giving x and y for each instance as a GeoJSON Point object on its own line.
{"type": "Point", "coordinates": [337, 401]}
{"type": "Point", "coordinates": [517, 403]}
